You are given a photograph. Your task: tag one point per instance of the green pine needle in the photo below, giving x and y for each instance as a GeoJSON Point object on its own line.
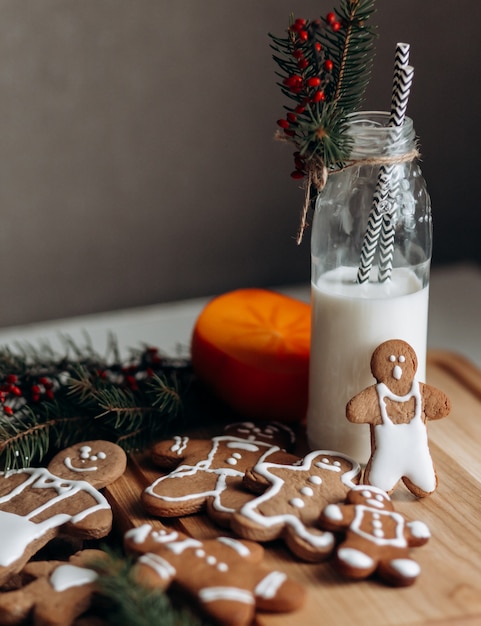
{"type": "Point", "coordinates": [333, 68]}
{"type": "Point", "coordinates": [48, 402]}
{"type": "Point", "coordinates": [132, 604]}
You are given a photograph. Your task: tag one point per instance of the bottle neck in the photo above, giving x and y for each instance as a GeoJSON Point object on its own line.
{"type": "Point", "coordinates": [372, 136]}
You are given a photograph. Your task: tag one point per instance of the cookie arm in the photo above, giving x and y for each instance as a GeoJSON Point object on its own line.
{"type": "Point", "coordinates": [171, 452]}
{"type": "Point", "coordinates": [363, 408]}
{"type": "Point", "coordinates": [417, 533]}
{"type": "Point", "coordinates": [336, 517]}
{"type": "Point", "coordinates": [153, 571]}
{"type": "Point", "coordinates": [436, 402]}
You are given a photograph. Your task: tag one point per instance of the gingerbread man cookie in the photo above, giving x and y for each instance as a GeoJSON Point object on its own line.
{"type": "Point", "coordinates": [223, 575]}
{"type": "Point", "coordinates": [54, 593]}
{"type": "Point", "coordinates": [293, 498]}
{"type": "Point", "coordinates": [36, 504]}
{"type": "Point", "coordinates": [377, 539]}
{"type": "Point", "coordinates": [397, 408]}
{"type": "Point", "coordinates": [208, 473]}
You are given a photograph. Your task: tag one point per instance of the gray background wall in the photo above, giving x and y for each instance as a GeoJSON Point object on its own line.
{"type": "Point", "coordinates": [137, 161]}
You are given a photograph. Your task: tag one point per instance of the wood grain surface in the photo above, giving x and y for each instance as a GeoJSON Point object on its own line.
{"type": "Point", "coordinates": [448, 591]}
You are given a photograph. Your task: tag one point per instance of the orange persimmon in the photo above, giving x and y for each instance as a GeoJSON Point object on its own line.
{"type": "Point", "coordinates": [250, 347]}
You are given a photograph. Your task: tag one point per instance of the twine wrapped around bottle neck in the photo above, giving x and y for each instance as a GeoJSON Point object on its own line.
{"type": "Point", "coordinates": [317, 175]}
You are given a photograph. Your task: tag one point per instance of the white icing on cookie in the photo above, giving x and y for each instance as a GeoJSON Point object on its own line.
{"type": "Point", "coordinates": [419, 529]}
{"type": "Point", "coordinates": [355, 558]}
{"type": "Point", "coordinates": [161, 567]}
{"type": "Point", "coordinates": [401, 450]}
{"type": "Point", "coordinates": [407, 568]}
{"type": "Point", "coordinates": [66, 576]}
{"type": "Point", "coordinates": [319, 540]}
{"type": "Point", "coordinates": [214, 594]}
{"type": "Point", "coordinates": [269, 586]}
{"type": "Point", "coordinates": [238, 546]}
{"type": "Point", "coordinates": [18, 531]}
{"type": "Point", "coordinates": [365, 516]}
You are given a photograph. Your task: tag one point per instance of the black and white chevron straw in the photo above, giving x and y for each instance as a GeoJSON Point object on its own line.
{"type": "Point", "coordinates": [380, 225]}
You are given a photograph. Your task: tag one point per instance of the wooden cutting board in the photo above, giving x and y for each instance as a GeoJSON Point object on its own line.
{"type": "Point", "coordinates": [448, 592]}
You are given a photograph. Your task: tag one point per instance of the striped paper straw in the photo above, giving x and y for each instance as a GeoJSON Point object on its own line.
{"type": "Point", "coordinates": [383, 200]}
{"type": "Point", "coordinates": [400, 95]}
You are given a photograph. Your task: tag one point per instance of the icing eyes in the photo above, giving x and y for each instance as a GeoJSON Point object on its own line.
{"type": "Point", "coordinates": [401, 359]}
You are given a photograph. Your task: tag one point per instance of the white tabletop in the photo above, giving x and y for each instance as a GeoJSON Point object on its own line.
{"type": "Point", "coordinates": [454, 320]}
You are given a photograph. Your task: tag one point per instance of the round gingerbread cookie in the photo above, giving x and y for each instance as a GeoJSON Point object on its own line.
{"type": "Point", "coordinates": [37, 503]}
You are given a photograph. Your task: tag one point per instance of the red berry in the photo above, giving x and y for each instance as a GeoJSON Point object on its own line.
{"type": "Point", "coordinates": [16, 390]}
{"type": "Point", "coordinates": [302, 64]}
{"type": "Point", "coordinates": [49, 393]}
{"type": "Point", "coordinates": [35, 389]}
{"type": "Point", "coordinates": [336, 26]}
{"type": "Point", "coordinates": [314, 81]}
{"type": "Point", "coordinates": [303, 35]}
{"type": "Point", "coordinates": [36, 397]}
{"type": "Point", "coordinates": [300, 109]}
{"type": "Point", "coordinates": [328, 65]}
{"type": "Point", "coordinates": [289, 133]}
{"type": "Point", "coordinates": [298, 54]}
{"type": "Point", "coordinates": [283, 123]}
{"type": "Point", "coordinates": [11, 378]}
{"type": "Point", "coordinates": [8, 410]}
{"type": "Point", "coordinates": [292, 117]}
{"type": "Point", "coordinates": [293, 81]}
{"type": "Point", "coordinates": [331, 17]}
{"type": "Point", "coordinates": [296, 174]}
{"type": "Point", "coordinates": [319, 96]}
{"type": "Point", "coordinates": [317, 47]}
{"type": "Point", "coordinates": [298, 25]}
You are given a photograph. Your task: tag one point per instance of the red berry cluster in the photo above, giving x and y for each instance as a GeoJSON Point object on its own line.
{"type": "Point", "coordinates": [129, 376]}
{"type": "Point", "coordinates": [313, 72]}
{"type": "Point", "coordinates": [16, 391]}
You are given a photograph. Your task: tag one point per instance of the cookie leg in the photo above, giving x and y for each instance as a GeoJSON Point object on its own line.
{"type": "Point", "coordinates": [421, 486]}
{"type": "Point", "coordinates": [354, 563]}
{"type": "Point", "coordinates": [230, 606]}
{"type": "Point", "coordinates": [309, 544]}
{"type": "Point", "coordinates": [275, 592]}
{"type": "Point", "coordinates": [400, 572]}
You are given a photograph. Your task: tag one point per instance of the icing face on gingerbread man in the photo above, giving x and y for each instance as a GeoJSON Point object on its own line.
{"type": "Point", "coordinates": [292, 500]}
{"type": "Point", "coordinates": [395, 365]}
{"type": "Point", "coordinates": [397, 408]}
{"type": "Point", "coordinates": [377, 539]}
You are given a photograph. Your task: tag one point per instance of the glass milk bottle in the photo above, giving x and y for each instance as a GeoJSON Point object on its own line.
{"type": "Point", "coordinates": [351, 317]}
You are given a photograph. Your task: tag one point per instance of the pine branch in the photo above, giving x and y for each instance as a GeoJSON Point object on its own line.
{"type": "Point", "coordinates": [325, 66]}
{"type": "Point", "coordinates": [352, 49]}
{"type": "Point", "coordinates": [48, 402]}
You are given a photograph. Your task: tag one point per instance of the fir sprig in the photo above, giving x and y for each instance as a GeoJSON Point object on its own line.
{"type": "Point", "coordinates": [48, 402]}
{"type": "Point", "coordinates": [324, 68]}
{"type": "Point", "coordinates": [132, 603]}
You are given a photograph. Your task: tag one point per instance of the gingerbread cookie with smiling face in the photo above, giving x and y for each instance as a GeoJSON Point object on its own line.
{"type": "Point", "coordinates": [37, 504]}
{"type": "Point", "coordinates": [397, 408]}
{"type": "Point", "coordinates": [53, 593]}
{"type": "Point", "coordinates": [208, 473]}
{"type": "Point", "coordinates": [224, 575]}
{"type": "Point", "coordinates": [293, 497]}
{"type": "Point", "coordinates": [377, 539]}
